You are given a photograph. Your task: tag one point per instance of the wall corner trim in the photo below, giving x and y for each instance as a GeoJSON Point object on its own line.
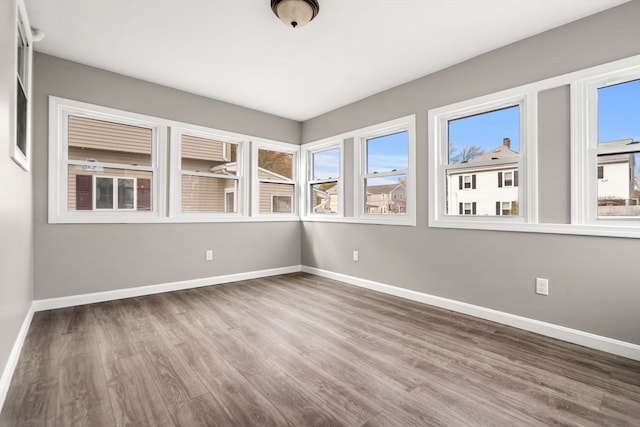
{"type": "Point", "coordinates": [73, 300]}
{"type": "Point", "coordinates": [586, 339]}
{"type": "Point", "coordinates": [14, 356]}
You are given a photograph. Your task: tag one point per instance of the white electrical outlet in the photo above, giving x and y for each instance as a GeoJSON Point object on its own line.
{"type": "Point", "coordinates": [355, 255]}
{"type": "Point", "coordinates": [208, 255]}
{"type": "Point", "coordinates": [542, 286]}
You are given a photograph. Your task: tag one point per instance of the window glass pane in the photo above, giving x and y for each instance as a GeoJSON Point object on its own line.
{"type": "Point", "coordinates": [619, 185]}
{"type": "Point", "coordinates": [388, 153]}
{"type": "Point", "coordinates": [104, 193]}
{"type": "Point", "coordinates": [126, 193]}
{"type": "Point", "coordinates": [619, 113]}
{"type": "Point", "coordinates": [487, 136]}
{"type": "Point", "coordinates": [208, 155]}
{"type": "Point", "coordinates": [107, 142]}
{"type": "Point", "coordinates": [275, 165]}
{"type": "Point", "coordinates": [326, 164]}
{"type": "Point", "coordinates": [387, 195]}
{"type": "Point", "coordinates": [22, 54]}
{"type": "Point", "coordinates": [80, 188]}
{"type": "Point", "coordinates": [276, 198]}
{"type": "Point", "coordinates": [473, 142]}
{"type": "Point", "coordinates": [21, 116]}
{"type": "Point", "coordinates": [207, 194]}
{"type": "Point", "coordinates": [325, 198]}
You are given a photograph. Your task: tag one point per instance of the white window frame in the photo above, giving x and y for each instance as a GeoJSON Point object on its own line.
{"type": "Point", "coordinates": [307, 152]}
{"type": "Point", "coordinates": [408, 124]}
{"type": "Point", "coordinates": [585, 148]}
{"type": "Point", "coordinates": [59, 111]}
{"type": "Point", "coordinates": [175, 189]}
{"type": "Point", "coordinates": [263, 144]}
{"type": "Point", "coordinates": [114, 179]}
{"type": "Point", "coordinates": [23, 30]}
{"type": "Point", "coordinates": [438, 119]}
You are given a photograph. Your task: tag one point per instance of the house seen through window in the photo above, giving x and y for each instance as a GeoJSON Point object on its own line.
{"type": "Point", "coordinates": [324, 189]}
{"type": "Point", "coordinates": [483, 163]}
{"type": "Point", "coordinates": [618, 157]}
{"type": "Point", "coordinates": [385, 177]}
{"type": "Point", "coordinates": [209, 176]}
{"type": "Point", "coordinates": [109, 166]}
{"type": "Point", "coordinates": [276, 181]}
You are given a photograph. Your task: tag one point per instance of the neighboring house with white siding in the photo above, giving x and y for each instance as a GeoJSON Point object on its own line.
{"type": "Point", "coordinates": [485, 185]}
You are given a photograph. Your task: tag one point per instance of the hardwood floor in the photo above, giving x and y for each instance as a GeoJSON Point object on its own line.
{"type": "Point", "coordinates": [298, 350]}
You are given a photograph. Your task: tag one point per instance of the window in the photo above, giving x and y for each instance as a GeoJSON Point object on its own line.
{"type": "Point", "coordinates": [507, 208]}
{"type": "Point", "coordinates": [110, 165]}
{"type": "Point", "coordinates": [281, 204]}
{"type": "Point", "coordinates": [606, 148]}
{"type": "Point", "coordinates": [386, 174]}
{"type": "Point", "coordinates": [479, 149]}
{"type": "Point", "coordinates": [209, 175]}
{"type": "Point", "coordinates": [103, 166]}
{"type": "Point", "coordinates": [20, 148]}
{"type": "Point", "coordinates": [274, 182]}
{"type": "Point", "coordinates": [468, 208]}
{"type": "Point", "coordinates": [323, 180]}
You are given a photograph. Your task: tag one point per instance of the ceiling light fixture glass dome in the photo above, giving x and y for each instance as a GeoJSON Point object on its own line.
{"type": "Point", "coordinates": [295, 13]}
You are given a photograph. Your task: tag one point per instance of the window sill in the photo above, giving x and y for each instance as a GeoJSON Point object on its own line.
{"type": "Point", "coordinates": [632, 232]}
{"type": "Point", "coordinates": [351, 220]}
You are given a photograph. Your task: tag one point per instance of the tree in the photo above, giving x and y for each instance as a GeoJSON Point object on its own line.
{"type": "Point", "coordinates": [276, 161]}
{"type": "Point", "coordinates": [466, 154]}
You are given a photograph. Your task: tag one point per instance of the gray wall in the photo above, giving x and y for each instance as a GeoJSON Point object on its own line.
{"type": "Point", "coordinates": [16, 217]}
{"type": "Point", "coordinates": [72, 259]}
{"type": "Point", "coordinates": [594, 281]}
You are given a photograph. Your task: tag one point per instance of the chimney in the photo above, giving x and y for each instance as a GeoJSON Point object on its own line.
{"type": "Point", "coordinates": [507, 142]}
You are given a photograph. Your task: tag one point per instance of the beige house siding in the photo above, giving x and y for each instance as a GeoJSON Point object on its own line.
{"type": "Point", "coordinates": [268, 190]}
{"type": "Point", "coordinates": [98, 134]}
{"type": "Point", "coordinates": [205, 149]}
{"type": "Point", "coordinates": [108, 156]}
{"type": "Point", "coordinates": [205, 194]}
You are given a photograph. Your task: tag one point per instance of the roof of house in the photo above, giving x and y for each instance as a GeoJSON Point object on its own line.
{"type": "Point", "coordinates": [502, 152]}
{"type": "Point", "coordinates": [383, 189]}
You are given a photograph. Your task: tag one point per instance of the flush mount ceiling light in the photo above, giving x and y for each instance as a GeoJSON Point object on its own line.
{"type": "Point", "coordinates": [295, 13]}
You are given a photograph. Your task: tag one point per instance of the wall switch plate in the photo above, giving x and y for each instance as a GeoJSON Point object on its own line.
{"type": "Point", "coordinates": [355, 255]}
{"type": "Point", "coordinates": [209, 255]}
{"type": "Point", "coordinates": [542, 286]}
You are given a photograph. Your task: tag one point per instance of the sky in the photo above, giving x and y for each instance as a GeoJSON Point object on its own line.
{"type": "Point", "coordinates": [487, 130]}
{"type": "Point", "coordinates": [619, 112]}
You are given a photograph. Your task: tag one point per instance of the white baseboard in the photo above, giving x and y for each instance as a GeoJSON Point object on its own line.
{"type": "Point", "coordinates": [12, 362]}
{"type": "Point", "coordinates": [73, 300]}
{"type": "Point", "coordinates": [586, 339]}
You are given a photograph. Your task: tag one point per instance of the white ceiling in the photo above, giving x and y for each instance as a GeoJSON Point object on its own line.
{"type": "Point", "coordinates": [238, 51]}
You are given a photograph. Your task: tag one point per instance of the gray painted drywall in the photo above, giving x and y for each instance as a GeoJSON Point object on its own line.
{"type": "Point", "coordinates": [16, 215]}
{"type": "Point", "coordinates": [554, 154]}
{"type": "Point", "coordinates": [74, 259]}
{"type": "Point", "coordinates": [594, 281]}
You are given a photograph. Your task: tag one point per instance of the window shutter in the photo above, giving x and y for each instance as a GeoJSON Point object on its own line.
{"type": "Point", "coordinates": [460, 208]}
{"type": "Point", "coordinates": [600, 172]}
{"type": "Point", "coordinates": [460, 182]}
{"type": "Point", "coordinates": [473, 205]}
{"type": "Point", "coordinates": [144, 194]}
{"type": "Point", "coordinates": [515, 179]}
{"type": "Point", "coordinates": [84, 192]}
{"type": "Point", "coordinates": [473, 181]}
{"type": "Point", "coordinates": [498, 208]}
{"type": "Point", "coordinates": [499, 179]}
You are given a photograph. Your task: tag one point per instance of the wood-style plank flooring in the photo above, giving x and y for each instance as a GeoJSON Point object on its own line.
{"type": "Point", "coordinates": [298, 350]}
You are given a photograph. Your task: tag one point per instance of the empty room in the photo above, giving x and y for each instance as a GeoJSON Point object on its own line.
{"type": "Point", "coordinates": [319, 212]}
